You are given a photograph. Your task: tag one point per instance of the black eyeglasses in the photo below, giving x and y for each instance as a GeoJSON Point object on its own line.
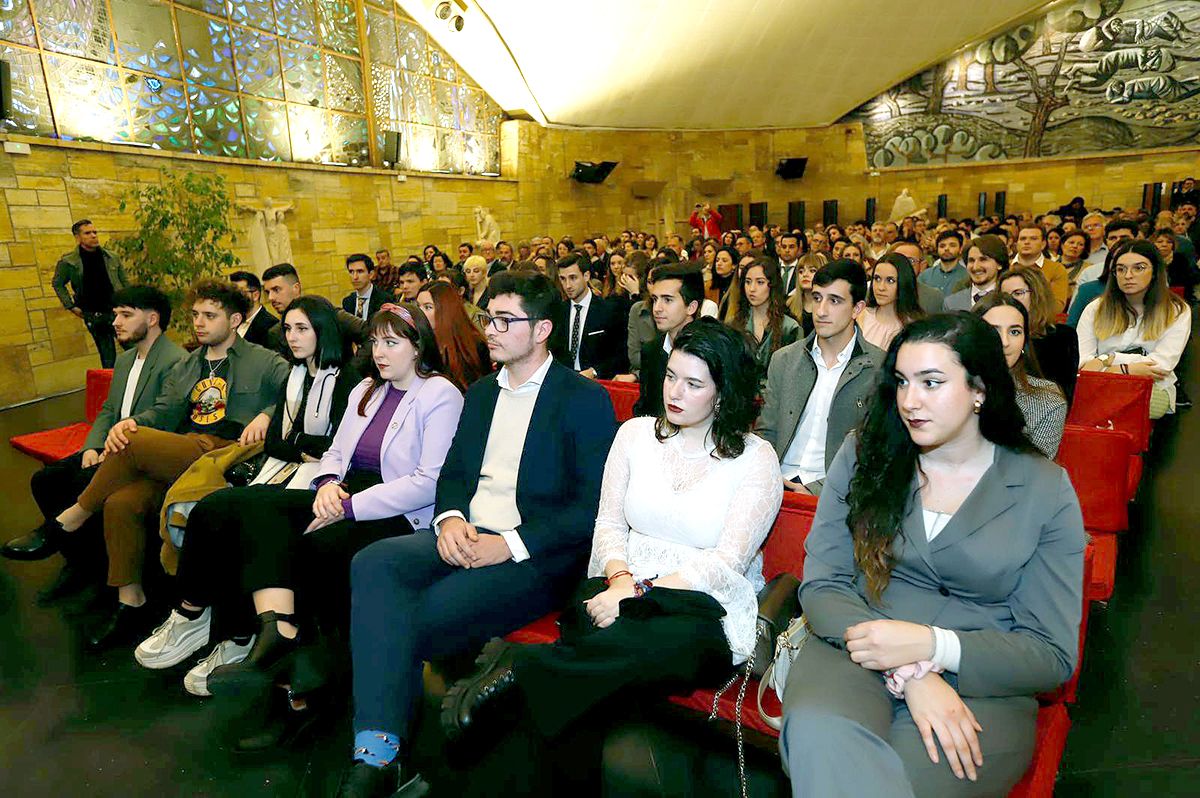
{"type": "Point", "coordinates": [501, 322]}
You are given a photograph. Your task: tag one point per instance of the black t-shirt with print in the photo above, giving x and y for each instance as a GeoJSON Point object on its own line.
{"type": "Point", "coordinates": [210, 399]}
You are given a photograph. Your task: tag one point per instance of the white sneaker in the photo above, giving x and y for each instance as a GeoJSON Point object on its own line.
{"type": "Point", "coordinates": [226, 652]}
{"type": "Point", "coordinates": [174, 641]}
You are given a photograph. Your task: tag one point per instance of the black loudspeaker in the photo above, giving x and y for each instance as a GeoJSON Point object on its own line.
{"type": "Point", "coordinates": [829, 212]}
{"type": "Point", "coordinates": [588, 172]}
{"type": "Point", "coordinates": [1152, 198]}
{"type": "Point", "coordinates": [796, 215]}
{"type": "Point", "coordinates": [391, 148]}
{"type": "Point", "coordinates": [999, 203]}
{"type": "Point", "coordinates": [871, 210]}
{"type": "Point", "coordinates": [5, 90]}
{"type": "Point", "coordinates": [791, 168]}
{"type": "Point", "coordinates": [731, 217]}
{"type": "Point", "coordinates": [758, 214]}
{"type": "Point", "coordinates": [982, 204]}
{"type": "Point", "coordinates": [943, 206]}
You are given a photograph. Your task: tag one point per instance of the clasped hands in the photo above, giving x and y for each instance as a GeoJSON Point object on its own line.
{"type": "Point", "coordinates": [460, 544]}
{"type": "Point", "coordinates": [937, 710]}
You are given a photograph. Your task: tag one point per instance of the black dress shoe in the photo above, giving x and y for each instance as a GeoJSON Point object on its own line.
{"type": "Point", "coordinates": [39, 544]}
{"type": "Point", "coordinates": [481, 694]}
{"type": "Point", "coordinates": [282, 726]}
{"type": "Point", "coordinates": [127, 625]}
{"type": "Point", "coordinates": [271, 655]}
{"type": "Point", "coordinates": [71, 579]}
{"type": "Point", "coordinates": [361, 780]}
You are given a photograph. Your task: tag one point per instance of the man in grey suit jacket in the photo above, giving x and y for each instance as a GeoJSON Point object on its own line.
{"type": "Point", "coordinates": [142, 313]}
{"type": "Point", "coordinates": [984, 273]}
{"type": "Point", "coordinates": [818, 388]}
{"type": "Point", "coordinates": [1004, 576]}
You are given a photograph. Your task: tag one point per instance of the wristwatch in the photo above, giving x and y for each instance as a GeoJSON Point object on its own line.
{"type": "Point", "coordinates": [1107, 359]}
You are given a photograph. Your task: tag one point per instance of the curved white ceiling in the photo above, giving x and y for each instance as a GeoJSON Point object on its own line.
{"type": "Point", "coordinates": [704, 64]}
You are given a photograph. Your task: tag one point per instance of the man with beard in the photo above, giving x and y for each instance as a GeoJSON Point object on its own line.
{"type": "Point", "coordinates": [141, 315]}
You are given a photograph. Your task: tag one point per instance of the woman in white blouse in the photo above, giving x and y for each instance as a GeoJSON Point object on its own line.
{"type": "Point", "coordinates": [671, 597]}
{"type": "Point", "coordinates": [1137, 326]}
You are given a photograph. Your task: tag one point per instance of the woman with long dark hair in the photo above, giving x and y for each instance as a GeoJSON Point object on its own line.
{"type": "Point", "coordinates": [1056, 345]}
{"type": "Point", "coordinates": [892, 301]}
{"type": "Point", "coordinates": [670, 600]}
{"type": "Point", "coordinates": [300, 432]}
{"type": "Point", "coordinates": [461, 343]}
{"type": "Point", "coordinates": [762, 311]}
{"type": "Point", "coordinates": [375, 481]}
{"type": "Point", "coordinates": [1137, 326]}
{"type": "Point", "coordinates": [1041, 401]}
{"type": "Point", "coordinates": [942, 584]}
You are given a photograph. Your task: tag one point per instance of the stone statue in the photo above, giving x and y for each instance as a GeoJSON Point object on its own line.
{"type": "Point", "coordinates": [904, 206]}
{"type": "Point", "coordinates": [267, 230]}
{"type": "Point", "coordinates": [486, 228]}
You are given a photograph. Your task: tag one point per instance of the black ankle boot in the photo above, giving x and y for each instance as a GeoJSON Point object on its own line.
{"type": "Point", "coordinates": [271, 656]}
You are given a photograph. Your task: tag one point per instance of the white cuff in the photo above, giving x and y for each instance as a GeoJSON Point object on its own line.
{"type": "Point", "coordinates": [515, 545]}
{"type": "Point", "coordinates": [947, 649]}
{"type": "Point", "coordinates": [448, 514]}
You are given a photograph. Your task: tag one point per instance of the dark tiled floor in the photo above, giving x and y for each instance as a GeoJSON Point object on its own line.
{"type": "Point", "coordinates": [73, 725]}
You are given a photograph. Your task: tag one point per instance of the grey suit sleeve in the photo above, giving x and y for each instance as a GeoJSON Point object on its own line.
{"type": "Point", "coordinates": [633, 341]}
{"type": "Point", "coordinates": [171, 406]}
{"type": "Point", "coordinates": [1040, 652]}
{"type": "Point", "coordinates": [828, 594]}
{"type": "Point", "coordinates": [768, 419]}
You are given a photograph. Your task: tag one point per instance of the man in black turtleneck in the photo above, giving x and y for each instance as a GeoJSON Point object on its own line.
{"type": "Point", "coordinates": [93, 274]}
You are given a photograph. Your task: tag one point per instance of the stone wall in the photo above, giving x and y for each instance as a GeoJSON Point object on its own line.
{"type": "Point", "coordinates": [45, 350]}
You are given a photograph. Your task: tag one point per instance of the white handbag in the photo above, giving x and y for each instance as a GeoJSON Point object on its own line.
{"type": "Point", "coordinates": [787, 648]}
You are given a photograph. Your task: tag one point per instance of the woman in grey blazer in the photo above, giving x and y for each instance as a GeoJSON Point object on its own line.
{"type": "Point", "coordinates": [943, 584]}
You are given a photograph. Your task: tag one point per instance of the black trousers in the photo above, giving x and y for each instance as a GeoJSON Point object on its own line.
{"type": "Point", "coordinates": [240, 540]}
{"type": "Point", "coordinates": [666, 642]}
{"type": "Point", "coordinates": [100, 325]}
{"type": "Point", "coordinates": [55, 488]}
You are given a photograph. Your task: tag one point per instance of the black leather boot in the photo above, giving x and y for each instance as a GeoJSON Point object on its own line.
{"type": "Point", "coordinates": [271, 656]}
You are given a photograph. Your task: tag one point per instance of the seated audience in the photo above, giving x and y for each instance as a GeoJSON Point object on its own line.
{"type": "Point", "coordinates": [987, 256]}
{"type": "Point", "coordinates": [366, 298]}
{"type": "Point", "coordinates": [1056, 345]}
{"type": "Point", "coordinates": [675, 296]}
{"type": "Point", "coordinates": [1041, 401]}
{"type": "Point", "coordinates": [1074, 250]}
{"type": "Point", "coordinates": [1181, 271]}
{"type": "Point", "coordinates": [258, 323]}
{"type": "Point", "coordinates": [1031, 251]}
{"type": "Point", "coordinates": [462, 346]}
{"type": "Point", "coordinates": [943, 584]}
{"type": "Point", "coordinates": [223, 392]}
{"type": "Point", "coordinates": [411, 277]}
{"type": "Point", "coordinates": [762, 312]}
{"type": "Point", "coordinates": [724, 268]}
{"type": "Point", "coordinates": [1094, 278]}
{"type": "Point", "coordinates": [142, 313]}
{"type": "Point", "coordinates": [929, 298]}
{"type": "Point", "coordinates": [670, 602]}
{"type": "Point", "coordinates": [306, 415]}
{"type": "Point", "coordinates": [817, 388]}
{"type": "Point", "coordinates": [509, 535]}
{"type": "Point", "coordinates": [440, 264]}
{"type": "Point", "coordinates": [789, 249]}
{"type": "Point", "coordinates": [891, 302]}
{"type": "Point", "coordinates": [592, 330]}
{"type": "Point", "coordinates": [281, 284]}
{"type": "Point", "coordinates": [948, 270]}
{"type": "Point", "coordinates": [1137, 326]}
{"type": "Point", "coordinates": [385, 275]}
{"type": "Point", "coordinates": [800, 302]}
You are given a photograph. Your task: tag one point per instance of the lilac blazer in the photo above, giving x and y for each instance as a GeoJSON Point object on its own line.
{"type": "Point", "coordinates": [414, 448]}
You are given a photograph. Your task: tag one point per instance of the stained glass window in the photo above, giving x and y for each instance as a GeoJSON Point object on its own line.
{"type": "Point", "coordinates": [263, 79]}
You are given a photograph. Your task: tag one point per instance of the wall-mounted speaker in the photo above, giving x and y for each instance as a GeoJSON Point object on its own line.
{"type": "Point", "coordinates": [1000, 201]}
{"type": "Point", "coordinates": [588, 172]}
{"type": "Point", "coordinates": [943, 206]}
{"type": "Point", "coordinates": [796, 215]}
{"type": "Point", "coordinates": [758, 214]}
{"type": "Point", "coordinates": [982, 207]}
{"type": "Point", "coordinates": [829, 212]}
{"type": "Point", "coordinates": [791, 168]}
{"type": "Point", "coordinates": [871, 210]}
{"type": "Point", "coordinates": [391, 149]}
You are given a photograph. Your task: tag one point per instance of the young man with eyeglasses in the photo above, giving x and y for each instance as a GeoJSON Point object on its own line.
{"type": "Point", "coordinates": [510, 538]}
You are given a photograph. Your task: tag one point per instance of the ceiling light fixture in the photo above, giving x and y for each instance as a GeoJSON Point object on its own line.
{"type": "Point", "coordinates": [452, 13]}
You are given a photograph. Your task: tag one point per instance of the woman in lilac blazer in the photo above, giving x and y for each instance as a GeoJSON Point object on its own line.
{"type": "Point", "coordinates": [376, 480]}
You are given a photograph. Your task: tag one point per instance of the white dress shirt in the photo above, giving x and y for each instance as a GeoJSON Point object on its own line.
{"type": "Point", "coordinates": [1163, 351]}
{"type": "Point", "coordinates": [245, 325]}
{"type": "Point", "coordinates": [494, 505]}
{"type": "Point", "coordinates": [135, 372]}
{"type": "Point", "coordinates": [805, 457]}
{"type": "Point", "coordinates": [578, 307]}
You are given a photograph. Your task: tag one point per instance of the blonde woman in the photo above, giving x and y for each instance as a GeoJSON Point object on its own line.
{"type": "Point", "coordinates": [800, 301]}
{"type": "Point", "coordinates": [475, 269]}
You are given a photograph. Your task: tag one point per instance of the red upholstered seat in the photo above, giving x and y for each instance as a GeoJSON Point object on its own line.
{"type": "Point", "coordinates": [1114, 401]}
{"type": "Point", "coordinates": [543, 631]}
{"type": "Point", "coordinates": [1103, 576]}
{"type": "Point", "coordinates": [1053, 723]}
{"type": "Point", "coordinates": [1100, 463]}
{"type": "Point", "coordinates": [624, 395]}
{"type": "Point", "coordinates": [98, 382]}
{"type": "Point", "coordinates": [52, 444]}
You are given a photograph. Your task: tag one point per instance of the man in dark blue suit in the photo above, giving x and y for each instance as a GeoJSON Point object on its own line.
{"type": "Point", "coordinates": [591, 332]}
{"type": "Point", "coordinates": [516, 506]}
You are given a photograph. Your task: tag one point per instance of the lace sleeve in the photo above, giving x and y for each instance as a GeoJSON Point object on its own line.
{"type": "Point", "coordinates": [720, 571]}
{"type": "Point", "coordinates": [611, 537]}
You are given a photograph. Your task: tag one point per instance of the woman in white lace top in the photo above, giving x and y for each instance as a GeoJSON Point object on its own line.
{"type": "Point", "coordinates": [671, 596]}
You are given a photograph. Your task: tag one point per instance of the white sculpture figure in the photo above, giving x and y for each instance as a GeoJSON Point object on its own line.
{"type": "Point", "coordinates": [486, 228]}
{"type": "Point", "coordinates": [267, 230]}
{"type": "Point", "coordinates": [904, 206]}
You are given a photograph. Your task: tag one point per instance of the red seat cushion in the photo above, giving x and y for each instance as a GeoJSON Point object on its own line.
{"type": "Point", "coordinates": [1052, 727]}
{"type": "Point", "coordinates": [1103, 576]}
{"type": "Point", "coordinates": [51, 445]}
{"type": "Point", "coordinates": [1099, 463]}
{"type": "Point", "coordinates": [98, 382]}
{"type": "Point", "coordinates": [624, 395]}
{"type": "Point", "coordinates": [543, 631]}
{"type": "Point", "coordinates": [1114, 401]}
